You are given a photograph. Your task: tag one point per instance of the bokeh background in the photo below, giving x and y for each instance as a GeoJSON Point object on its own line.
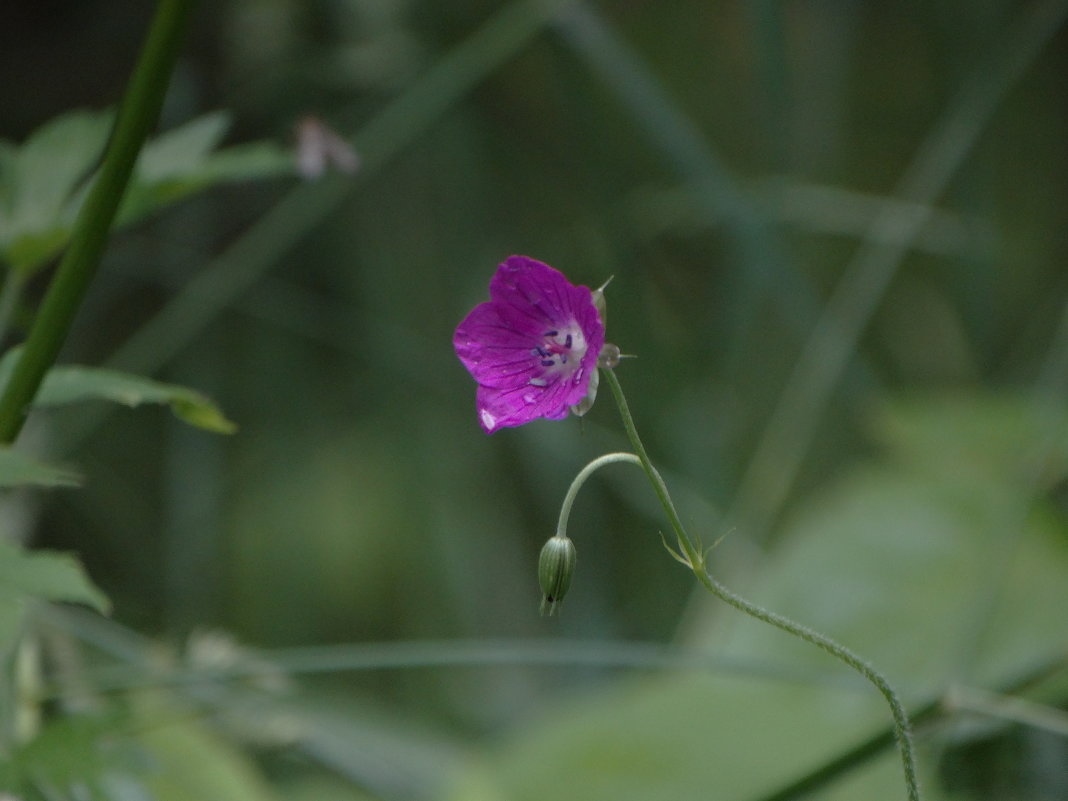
{"type": "Point", "coordinates": [837, 235]}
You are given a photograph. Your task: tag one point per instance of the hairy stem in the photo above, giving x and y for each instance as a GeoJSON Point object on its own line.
{"type": "Point", "coordinates": [695, 558]}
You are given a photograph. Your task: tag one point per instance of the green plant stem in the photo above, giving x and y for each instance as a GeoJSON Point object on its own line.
{"type": "Point", "coordinates": [580, 479]}
{"type": "Point", "coordinates": [136, 117]}
{"type": "Point", "coordinates": [694, 556]}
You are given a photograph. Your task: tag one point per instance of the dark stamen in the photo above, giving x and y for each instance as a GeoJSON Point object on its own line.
{"type": "Point", "coordinates": [567, 342]}
{"type": "Point", "coordinates": [563, 358]}
{"type": "Point", "coordinates": [539, 352]}
{"type": "Point", "coordinates": [547, 362]}
{"type": "Point", "coordinates": [551, 333]}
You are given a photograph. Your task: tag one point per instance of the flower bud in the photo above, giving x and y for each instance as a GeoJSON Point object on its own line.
{"type": "Point", "coordinates": [556, 565]}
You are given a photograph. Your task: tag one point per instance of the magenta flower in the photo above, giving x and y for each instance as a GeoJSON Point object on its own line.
{"type": "Point", "coordinates": [532, 348]}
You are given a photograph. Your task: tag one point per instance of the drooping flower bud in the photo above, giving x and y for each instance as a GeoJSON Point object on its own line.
{"type": "Point", "coordinates": [556, 565]}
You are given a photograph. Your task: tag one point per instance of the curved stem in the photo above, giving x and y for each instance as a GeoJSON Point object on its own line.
{"type": "Point", "coordinates": [580, 479]}
{"type": "Point", "coordinates": [695, 560]}
{"type": "Point", "coordinates": [136, 115]}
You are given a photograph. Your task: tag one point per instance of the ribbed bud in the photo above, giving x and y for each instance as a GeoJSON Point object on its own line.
{"type": "Point", "coordinates": [556, 565]}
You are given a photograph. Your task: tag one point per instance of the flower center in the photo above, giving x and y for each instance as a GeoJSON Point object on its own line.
{"type": "Point", "coordinates": [559, 354]}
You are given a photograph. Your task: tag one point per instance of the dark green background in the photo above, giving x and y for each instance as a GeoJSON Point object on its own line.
{"type": "Point", "coordinates": [723, 161]}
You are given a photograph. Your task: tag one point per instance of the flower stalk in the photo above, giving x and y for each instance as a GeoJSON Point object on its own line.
{"type": "Point", "coordinates": [580, 479]}
{"type": "Point", "coordinates": [691, 554]}
{"type": "Point", "coordinates": [537, 350]}
{"type": "Point", "coordinates": [556, 563]}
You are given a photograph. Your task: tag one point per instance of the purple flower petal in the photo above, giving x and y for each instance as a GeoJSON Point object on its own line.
{"type": "Point", "coordinates": [532, 347]}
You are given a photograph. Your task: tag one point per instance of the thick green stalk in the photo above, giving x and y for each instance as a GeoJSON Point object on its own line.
{"type": "Point", "coordinates": [695, 559]}
{"type": "Point", "coordinates": [136, 117]}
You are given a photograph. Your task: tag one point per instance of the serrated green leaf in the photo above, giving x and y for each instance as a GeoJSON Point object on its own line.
{"type": "Point", "coordinates": [19, 470]}
{"type": "Point", "coordinates": [72, 384]}
{"type": "Point", "coordinates": [46, 576]}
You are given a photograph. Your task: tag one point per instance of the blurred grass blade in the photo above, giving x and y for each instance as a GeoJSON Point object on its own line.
{"type": "Point", "coordinates": [763, 264]}
{"type": "Point", "coordinates": [672, 133]}
{"type": "Point", "coordinates": [832, 343]}
{"type": "Point", "coordinates": [775, 102]}
{"type": "Point", "coordinates": [382, 139]}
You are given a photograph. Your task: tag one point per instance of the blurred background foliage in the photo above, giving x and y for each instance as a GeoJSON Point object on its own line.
{"type": "Point", "coordinates": [838, 240]}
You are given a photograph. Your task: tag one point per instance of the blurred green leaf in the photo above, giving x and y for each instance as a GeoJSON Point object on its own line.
{"type": "Point", "coordinates": [999, 438]}
{"type": "Point", "coordinates": [27, 576]}
{"type": "Point", "coordinates": [73, 384]}
{"type": "Point", "coordinates": [183, 149]}
{"type": "Point", "coordinates": [38, 179]}
{"type": "Point", "coordinates": [44, 182]}
{"type": "Point", "coordinates": [34, 247]}
{"type": "Point", "coordinates": [18, 470]}
{"type": "Point", "coordinates": [47, 576]}
{"type": "Point", "coordinates": [929, 571]}
{"type": "Point", "coordinates": [191, 762]}
{"type": "Point", "coordinates": [153, 751]}
{"type": "Point", "coordinates": [183, 161]}
{"type": "Point", "coordinates": [80, 756]}
{"type": "Point", "coordinates": [358, 739]}
{"type": "Point", "coordinates": [326, 788]}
